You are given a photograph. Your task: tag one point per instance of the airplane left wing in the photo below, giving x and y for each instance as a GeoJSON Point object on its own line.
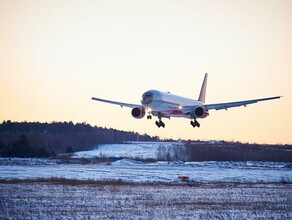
{"type": "Point", "coordinates": [227, 105]}
{"type": "Point", "coordinates": [122, 104]}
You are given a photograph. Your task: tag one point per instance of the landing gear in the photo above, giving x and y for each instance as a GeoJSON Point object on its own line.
{"type": "Point", "coordinates": [149, 117]}
{"type": "Point", "coordinates": [195, 123]}
{"type": "Point", "coordinates": [160, 123]}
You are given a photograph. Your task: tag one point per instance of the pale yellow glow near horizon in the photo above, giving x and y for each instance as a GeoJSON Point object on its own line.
{"type": "Point", "coordinates": [56, 55]}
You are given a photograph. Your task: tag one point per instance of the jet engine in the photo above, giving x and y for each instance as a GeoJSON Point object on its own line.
{"type": "Point", "coordinates": [201, 112]}
{"type": "Point", "coordinates": [138, 112]}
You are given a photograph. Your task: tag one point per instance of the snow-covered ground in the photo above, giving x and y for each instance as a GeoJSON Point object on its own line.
{"type": "Point", "coordinates": [246, 190]}
{"type": "Point", "coordinates": [94, 201]}
{"type": "Point", "coordinates": [130, 170]}
{"type": "Point", "coordinates": [134, 171]}
{"type": "Point", "coordinates": [134, 150]}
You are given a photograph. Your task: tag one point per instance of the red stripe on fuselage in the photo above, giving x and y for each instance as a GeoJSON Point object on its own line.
{"type": "Point", "coordinates": [176, 112]}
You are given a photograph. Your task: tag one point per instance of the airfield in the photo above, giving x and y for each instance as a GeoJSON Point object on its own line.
{"type": "Point", "coordinates": [128, 182]}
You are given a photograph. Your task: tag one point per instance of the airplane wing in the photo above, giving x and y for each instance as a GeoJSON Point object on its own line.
{"type": "Point", "coordinates": [227, 105]}
{"type": "Point", "coordinates": [122, 104]}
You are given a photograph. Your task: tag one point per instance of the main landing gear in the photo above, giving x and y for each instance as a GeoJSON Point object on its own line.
{"type": "Point", "coordinates": [195, 123]}
{"type": "Point", "coordinates": [160, 123]}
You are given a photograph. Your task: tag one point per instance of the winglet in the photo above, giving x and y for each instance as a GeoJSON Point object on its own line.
{"type": "Point", "coordinates": [202, 95]}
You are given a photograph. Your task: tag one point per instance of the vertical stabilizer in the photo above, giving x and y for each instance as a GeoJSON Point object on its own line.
{"type": "Point", "coordinates": [202, 95]}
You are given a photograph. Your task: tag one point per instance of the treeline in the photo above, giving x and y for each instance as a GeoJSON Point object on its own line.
{"type": "Point", "coordinates": [229, 151]}
{"type": "Point", "coordinates": [35, 139]}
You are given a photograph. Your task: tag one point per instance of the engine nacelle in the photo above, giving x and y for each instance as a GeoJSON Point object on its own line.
{"type": "Point", "coordinates": [138, 112]}
{"type": "Point", "coordinates": [201, 112]}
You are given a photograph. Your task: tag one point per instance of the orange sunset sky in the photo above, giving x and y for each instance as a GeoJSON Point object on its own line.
{"type": "Point", "coordinates": [56, 54]}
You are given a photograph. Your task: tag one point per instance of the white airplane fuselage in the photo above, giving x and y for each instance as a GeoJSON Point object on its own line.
{"type": "Point", "coordinates": [167, 105]}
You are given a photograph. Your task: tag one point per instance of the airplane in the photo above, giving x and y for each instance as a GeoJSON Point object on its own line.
{"type": "Point", "coordinates": [166, 105]}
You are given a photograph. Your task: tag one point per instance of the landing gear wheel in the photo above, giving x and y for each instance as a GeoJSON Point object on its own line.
{"type": "Point", "coordinates": [192, 123]}
{"type": "Point", "coordinates": [195, 123]}
{"type": "Point", "coordinates": [157, 124]}
{"type": "Point", "coordinates": [149, 117]}
{"type": "Point", "coordinates": [160, 124]}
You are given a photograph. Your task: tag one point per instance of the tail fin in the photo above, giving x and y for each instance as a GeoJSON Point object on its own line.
{"type": "Point", "coordinates": [202, 95]}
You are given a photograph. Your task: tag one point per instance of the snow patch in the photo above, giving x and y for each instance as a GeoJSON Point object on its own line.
{"type": "Point", "coordinates": [127, 162]}
{"type": "Point", "coordinates": [133, 150]}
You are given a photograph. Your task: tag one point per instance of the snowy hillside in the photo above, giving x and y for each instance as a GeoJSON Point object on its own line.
{"type": "Point", "coordinates": [133, 150]}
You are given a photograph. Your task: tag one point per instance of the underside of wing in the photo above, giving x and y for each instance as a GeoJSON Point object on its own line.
{"type": "Point", "coordinates": [227, 105]}
{"type": "Point", "coordinates": [122, 104]}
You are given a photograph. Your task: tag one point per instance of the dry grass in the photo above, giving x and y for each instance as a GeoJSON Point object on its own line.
{"type": "Point", "coordinates": [65, 181]}
{"type": "Point", "coordinates": [119, 182]}
{"type": "Point", "coordinates": [47, 200]}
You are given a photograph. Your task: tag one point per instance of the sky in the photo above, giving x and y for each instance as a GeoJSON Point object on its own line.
{"type": "Point", "coordinates": [56, 54]}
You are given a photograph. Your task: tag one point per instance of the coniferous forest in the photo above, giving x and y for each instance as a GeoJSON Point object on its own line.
{"type": "Point", "coordinates": [35, 139]}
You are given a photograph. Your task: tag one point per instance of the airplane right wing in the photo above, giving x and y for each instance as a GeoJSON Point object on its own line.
{"type": "Point", "coordinates": [122, 104]}
{"type": "Point", "coordinates": [227, 105]}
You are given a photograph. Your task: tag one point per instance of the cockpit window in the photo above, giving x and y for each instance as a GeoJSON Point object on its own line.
{"type": "Point", "coordinates": [147, 98]}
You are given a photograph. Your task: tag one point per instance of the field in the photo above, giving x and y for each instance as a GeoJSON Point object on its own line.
{"type": "Point", "coordinates": [103, 184]}
{"type": "Point", "coordinates": [69, 200]}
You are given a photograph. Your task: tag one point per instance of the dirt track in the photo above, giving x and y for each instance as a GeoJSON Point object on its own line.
{"type": "Point", "coordinates": [122, 201]}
